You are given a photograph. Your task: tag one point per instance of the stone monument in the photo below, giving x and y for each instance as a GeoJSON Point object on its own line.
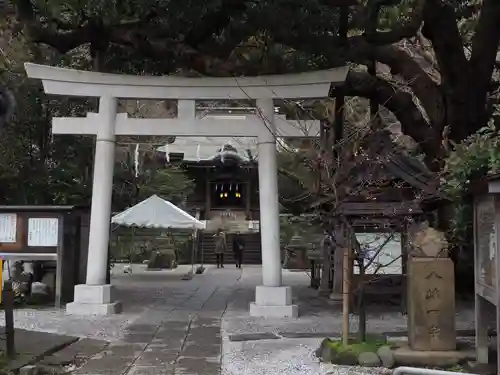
{"type": "Point", "coordinates": [431, 292]}
{"type": "Point", "coordinates": [296, 254]}
{"type": "Point", "coordinates": [164, 258]}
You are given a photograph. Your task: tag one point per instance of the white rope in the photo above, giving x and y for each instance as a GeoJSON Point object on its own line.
{"type": "Point", "coordinates": [136, 160]}
{"type": "Point", "coordinates": [167, 154]}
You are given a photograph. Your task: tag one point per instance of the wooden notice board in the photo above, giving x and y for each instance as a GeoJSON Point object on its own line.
{"type": "Point", "coordinates": [30, 233]}
{"type": "Point", "coordinates": [12, 234]}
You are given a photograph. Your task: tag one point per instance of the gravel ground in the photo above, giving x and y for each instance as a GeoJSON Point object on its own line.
{"type": "Point", "coordinates": [281, 357]}
{"type": "Point", "coordinates": [289, 356]}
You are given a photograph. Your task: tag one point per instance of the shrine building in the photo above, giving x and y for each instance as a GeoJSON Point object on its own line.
{"type": "Point", "coordinates": [226, 193]}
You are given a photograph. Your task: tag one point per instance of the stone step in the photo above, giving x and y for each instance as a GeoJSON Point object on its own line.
{"type": "Point", "coordinates": [251, 255]}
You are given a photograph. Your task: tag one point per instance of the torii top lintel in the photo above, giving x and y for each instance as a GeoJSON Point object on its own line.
{"type": "Point", "coordinates": [61, 81]}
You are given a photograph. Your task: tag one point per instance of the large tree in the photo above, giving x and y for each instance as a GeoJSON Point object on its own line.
{"type": "Point", "coordinates": [440, 77]}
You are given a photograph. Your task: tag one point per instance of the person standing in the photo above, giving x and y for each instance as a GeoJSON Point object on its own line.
{"type": "Point", "coordinates": [220, 248]}
{"type": "Point", "coordinates": [238, 247]}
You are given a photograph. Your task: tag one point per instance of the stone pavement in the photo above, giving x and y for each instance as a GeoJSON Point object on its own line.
{"type": "Point", "coordinates": [178, 332]}
{"type": "Point", "coordinates": [168, 326]}
{"type": "Point", "coordinates": [30, 346]}
{"type": "Point", "coordinates": [202, 326]}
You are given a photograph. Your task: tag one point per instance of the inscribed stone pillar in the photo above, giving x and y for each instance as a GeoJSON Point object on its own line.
{"type": "Point", "coordinates": [431, 304]}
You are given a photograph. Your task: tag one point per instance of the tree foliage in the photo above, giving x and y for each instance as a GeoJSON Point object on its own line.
{"type": "Point", "coordinates": [437, 57]}
{"type": "Point", "coordinates": [38, 168]}
{"type": "Point", "coordinates": [469, 162]}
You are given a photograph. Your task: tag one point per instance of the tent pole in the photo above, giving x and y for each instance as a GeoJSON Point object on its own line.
{"type": "Point", "coordinates": [193, 244]}
{"type": "Point", "coordinates": [131, 246]}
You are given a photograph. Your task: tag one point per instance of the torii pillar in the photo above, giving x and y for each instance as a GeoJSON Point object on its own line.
{"type": "Point", "coordinates": [95, 296]}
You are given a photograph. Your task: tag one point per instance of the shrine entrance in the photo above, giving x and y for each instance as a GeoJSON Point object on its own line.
{"type": "Point", "coordinates": [228, 195]}
{"type": "Point", "coordinates": [272, 298]}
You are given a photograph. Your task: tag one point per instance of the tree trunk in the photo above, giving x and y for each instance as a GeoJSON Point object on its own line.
{"type": "Point", "coordinates": [324, 286]}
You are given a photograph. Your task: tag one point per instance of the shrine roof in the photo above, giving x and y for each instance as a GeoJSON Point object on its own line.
{"type": "Point", "coordinates": [209, 148]}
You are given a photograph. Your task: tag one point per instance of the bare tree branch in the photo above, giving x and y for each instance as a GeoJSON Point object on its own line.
{"type": "Point", "coordinates": [401, 104]}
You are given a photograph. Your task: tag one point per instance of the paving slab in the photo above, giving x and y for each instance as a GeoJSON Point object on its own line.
{"type": "Point", "coordinates": [76, 353]}
{"type": "Point", "coordinates": [149, 370]}
{"type": "Point", "coordinates": [253, 337]}
{"type": "Point", "coordinates": [308, 335]}
{"type": "Point", "coordinates": [31, 346]}
{"type": "Point", "coordinates": [106, 365]}
{"type": "Point", "coordinates": [157, 358]}
{"type": "Point", "coordinates": [201, 366]}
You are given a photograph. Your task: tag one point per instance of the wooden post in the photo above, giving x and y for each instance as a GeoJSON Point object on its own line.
{"type": "Point", "coordinates": [8, 304]}
{"type": "Point", "coordinates": [248, 203]}
{"type": "Point", "coordinates": [345, 297]}
{"type": "Point", "coordinates": [1, 278]}
{"type": "Point", "coordinates": [208, 192]}
{"type": "Point", "coordinates": [404, 268]}
{"type": "Point", "coordinates": [361, 301]}
{"type": "Point", "coordinates": [497, 273]}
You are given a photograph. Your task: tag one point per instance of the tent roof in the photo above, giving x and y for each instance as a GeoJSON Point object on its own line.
{"type": "Point", "coordinates": [156, 212]}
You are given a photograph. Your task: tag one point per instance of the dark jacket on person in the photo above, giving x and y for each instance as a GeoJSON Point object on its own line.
{"type": "Point", "coordinates": [238, 243]}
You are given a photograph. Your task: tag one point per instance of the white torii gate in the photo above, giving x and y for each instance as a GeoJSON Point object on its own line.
{"type": "Point", "coordinates": [95, 297]}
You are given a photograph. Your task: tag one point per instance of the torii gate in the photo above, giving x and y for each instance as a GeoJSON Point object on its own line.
{"type": "Point", "coordinates": [96, 297]}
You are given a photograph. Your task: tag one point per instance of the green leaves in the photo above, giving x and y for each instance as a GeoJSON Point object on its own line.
{"type": "Point", "coordinates": [473, 159]}
{"type": "Point", "coordinates": [168, 182]}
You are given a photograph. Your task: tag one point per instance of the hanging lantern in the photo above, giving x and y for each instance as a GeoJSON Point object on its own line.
{"type": "Point", "coordinates": [221, 195]}
{"type": "Point", "coordinates": [225, 195]}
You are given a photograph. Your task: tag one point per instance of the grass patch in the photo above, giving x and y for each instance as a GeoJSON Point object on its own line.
{"type": "Point", "coordinates": [334, 351]}
{"type": "Point", "coordinates": [372, 343]}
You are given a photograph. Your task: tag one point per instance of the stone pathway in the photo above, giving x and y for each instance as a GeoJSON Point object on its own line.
{"type": "Point", "coordinates": [178, 333]}
{"type": "Point", "coordinates": [30, 346]}
{"type": "Point", "coordinates": [202, 326]}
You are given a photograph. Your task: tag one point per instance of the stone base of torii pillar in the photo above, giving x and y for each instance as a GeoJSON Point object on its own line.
{"type": "Point", "coordinates": [94, 300]}
{"type": "Point", "coordinates": [274, 302]}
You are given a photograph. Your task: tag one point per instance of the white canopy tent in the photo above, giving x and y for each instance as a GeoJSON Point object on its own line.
{"type": "Point", "coordinates": [156, 212]}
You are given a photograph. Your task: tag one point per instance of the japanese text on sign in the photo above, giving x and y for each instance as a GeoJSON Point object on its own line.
{"type": "Point", "coordinates": [43, 232]}
{"type": "Point", "coordinates": [8, 228]}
